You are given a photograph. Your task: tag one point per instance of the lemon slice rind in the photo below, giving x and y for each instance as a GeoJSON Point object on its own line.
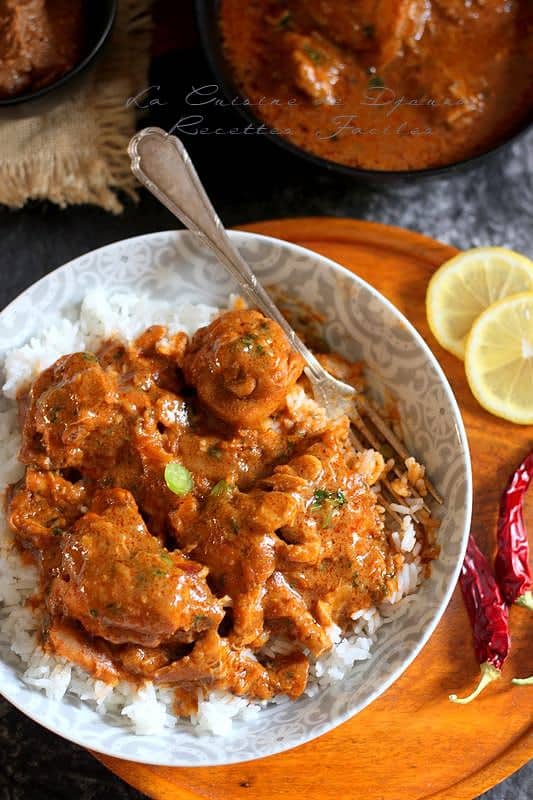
{"type": "Point", "coordinates": [465, 285]}
{"type": "Point", "coordinates": [508, 357]}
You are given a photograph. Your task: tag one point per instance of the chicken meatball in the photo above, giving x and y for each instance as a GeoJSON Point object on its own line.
{"type": "Point", "coordinates": [242, 367]}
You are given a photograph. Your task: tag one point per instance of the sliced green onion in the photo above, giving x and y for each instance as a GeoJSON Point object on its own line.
{"type": "Point", "coordinates": [220, 488]}
{"type": "Point", "coordinates": [178, 478]}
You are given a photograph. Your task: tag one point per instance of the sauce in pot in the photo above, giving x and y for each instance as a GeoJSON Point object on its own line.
{"type": "Point", "coordinates": [384, 85]}
{"type": "Point", "coordinates": [40, 40]}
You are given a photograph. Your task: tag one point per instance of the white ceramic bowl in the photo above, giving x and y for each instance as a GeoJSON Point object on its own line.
{"type": "Point", "coordinates": [360, 323]}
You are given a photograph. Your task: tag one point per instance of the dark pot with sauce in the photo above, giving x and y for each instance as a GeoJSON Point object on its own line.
{"type": "Point", "coordinates": [47, 48]}
{"type": "Point", "coordinates": [324, 60]}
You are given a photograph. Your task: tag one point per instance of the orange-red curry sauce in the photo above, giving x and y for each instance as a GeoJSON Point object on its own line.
{"type": "Point", "coordinates": [275, 531]}
{"type": "Point", "coordinates": [385, 85]}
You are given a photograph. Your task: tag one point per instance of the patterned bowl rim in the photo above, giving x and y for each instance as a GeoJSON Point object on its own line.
{"type": "Point", "coordinates": [319, 730]}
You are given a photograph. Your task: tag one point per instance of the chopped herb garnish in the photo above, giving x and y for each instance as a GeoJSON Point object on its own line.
{"type": "Point", "coordinates": [339, 498]}
{"type": "Point", "coordinates": [234, 525]}
{"type": "Point", "coordinates": [221, 488]}
{"type": "Point", "coordinates": [375, 82]}
{"type": "Point", "coordinates": [58, 531]}
{"type": "Point", "coordinates": [94, 612]}
{"type": "Point", "coordinates": [215, 452]}
{"type": "Point", "coordinates": [161, 573]}
{"type": "Point", "coordinates": [166, 557]}
{"type": "Point", "coordinates": [247, 342]}
{"type": "Point", "coordinates": [319, 498]}
{"type": "Point", "coordinates": [260, 349]}
{"type": "Point", "coordinates": [328, 500]}
{"type": "Point", "coordinates": [289, 675]}
{"type": "Point", "coordinates": [89, 357]}
{"type": "Point", "coordinates": [315, 55]}
{"type": "Point", "coordinates": [285, 20]}
{"type": "Point", "coordinates": [178, 478]}
{"type": "Point", "coordinates": [199, 618]}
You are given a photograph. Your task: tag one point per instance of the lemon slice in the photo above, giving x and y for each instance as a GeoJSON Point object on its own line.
{"type": "Point", "coordinates": [466, 285]}
{"type": "Point", "coordinates": [499, 358]}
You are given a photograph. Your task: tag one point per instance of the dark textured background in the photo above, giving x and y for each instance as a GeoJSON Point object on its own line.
{"type": "Point", "coordinates": [249, 179]}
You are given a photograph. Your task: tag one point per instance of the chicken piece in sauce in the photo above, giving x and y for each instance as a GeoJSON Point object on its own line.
{"type": "Point", "coordinates": [40, 40]}
{"type": "Point", "coordinates": [242, 367]}
{"type": "Point", "coordinates": [71, 415]}
{"type": "Point", "coordinates": [122, 585]}
{"type": "Point", "coordinates": [236, 537]}
{"type": "Point", "coordinates": [315, 65]}
{"type": "Point", "coordinates": [384, 84]}
{"type": "Point", "coordinates": [44, 507]}
{"type": "Point", "coordinates": [213, 662]}
{"type": "Point", "coordinates": [380, 28]}
{"type": "Point", "coordinates": [307, 543]}
{"type": "Point", "coordinates": [280, 535]}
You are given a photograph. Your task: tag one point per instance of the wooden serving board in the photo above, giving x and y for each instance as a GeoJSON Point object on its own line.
{"type": "Point", "coordinates": [411, 743]}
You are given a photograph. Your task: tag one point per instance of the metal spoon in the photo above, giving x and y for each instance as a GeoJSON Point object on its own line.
{"type": "Point", "coordinates": [161, 163]}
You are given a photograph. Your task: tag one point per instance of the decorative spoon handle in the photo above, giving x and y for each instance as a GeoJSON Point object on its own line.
{"type": "Point", "coordinates": [161, 163]}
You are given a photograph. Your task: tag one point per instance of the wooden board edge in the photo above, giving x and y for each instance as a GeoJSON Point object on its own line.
{"type": "Point", "coordinates": [517, 755]}
{"type": "Point", "coordinates": [147, 778]}
{"type": "Point", "coordinates": [345, 230]}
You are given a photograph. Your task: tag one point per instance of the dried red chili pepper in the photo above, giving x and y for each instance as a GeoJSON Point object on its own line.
{"type": "Point", "coordinates": [489, 616]}
{"type": "Point", "coordinates": [512, 559]}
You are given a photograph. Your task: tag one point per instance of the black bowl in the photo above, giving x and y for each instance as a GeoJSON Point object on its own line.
{"type": "Point", "coordinates": [101, 16]}
{"type": "Point", "coordinates": [207, 16]}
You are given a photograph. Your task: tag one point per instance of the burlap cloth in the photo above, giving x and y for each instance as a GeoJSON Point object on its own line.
{"type": "Point", "coordinates": [77, 153]}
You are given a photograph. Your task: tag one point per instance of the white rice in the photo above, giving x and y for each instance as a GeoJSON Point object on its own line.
{"type": "Point", "coordinates": [148, 710]}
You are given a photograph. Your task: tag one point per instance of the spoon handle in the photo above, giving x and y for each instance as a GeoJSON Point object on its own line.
{"type": "Point", "coordinates": [162, 164]}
